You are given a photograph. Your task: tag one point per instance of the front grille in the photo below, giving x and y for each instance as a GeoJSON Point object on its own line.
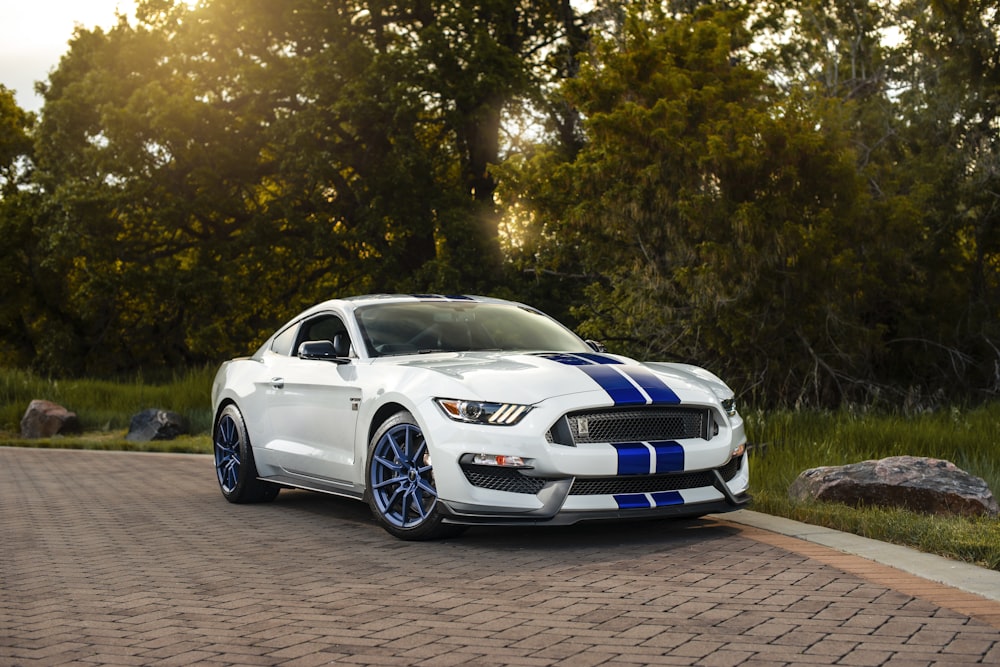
{"type": "Point", "coordinates": [630, 425]}
{"type": "Point", "coordinates": [512, 481]}
{"type": "Point", "coordinates": [602, 486]}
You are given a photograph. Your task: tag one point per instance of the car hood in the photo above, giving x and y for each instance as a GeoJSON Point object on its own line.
{"type": "Point", "coordinates": [530, 378]}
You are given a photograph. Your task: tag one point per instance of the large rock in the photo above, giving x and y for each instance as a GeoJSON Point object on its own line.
{"type": "Point", "coordinates": [932, 486]}
{"type": "Point", "coordinates": [44, 419]}
{"type": "Point", "coordinates": [156, 424]}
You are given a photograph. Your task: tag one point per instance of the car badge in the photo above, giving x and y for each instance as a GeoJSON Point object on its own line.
{"type": "Point", "coordinates": [583, 426]}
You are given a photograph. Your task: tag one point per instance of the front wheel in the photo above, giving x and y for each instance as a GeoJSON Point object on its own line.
{"type": "Point", "coordinates": [234, 465]}
{"type": "Point", "coordinates": [401, 490]}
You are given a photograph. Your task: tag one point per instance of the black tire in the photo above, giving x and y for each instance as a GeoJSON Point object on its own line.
{"type": "Point", "coordinates": [235, 469]}
{"type": "Point", "coordinates": [400, 482]}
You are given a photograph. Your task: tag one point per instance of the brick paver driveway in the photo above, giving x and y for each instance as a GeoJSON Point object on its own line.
{"type": "Point", "coordinates": [112, 558]}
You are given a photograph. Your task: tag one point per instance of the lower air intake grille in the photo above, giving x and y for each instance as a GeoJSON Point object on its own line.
{"type": "Point", "coordinates": [502, 479]}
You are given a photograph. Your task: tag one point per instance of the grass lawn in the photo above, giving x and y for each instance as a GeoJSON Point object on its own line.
{"type": "Point", "coordinates": [788, 442]}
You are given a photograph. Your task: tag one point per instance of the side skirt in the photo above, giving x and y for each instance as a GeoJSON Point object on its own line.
{"type": "Point", "coordinates": [318, 484]}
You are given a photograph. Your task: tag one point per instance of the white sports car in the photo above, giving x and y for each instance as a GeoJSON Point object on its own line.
{"type": "Point", "coordinates": [447, 411]}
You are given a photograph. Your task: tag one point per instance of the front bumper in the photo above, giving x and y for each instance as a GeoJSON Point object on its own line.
{"type": "Point", "coordinates": [568, 484]}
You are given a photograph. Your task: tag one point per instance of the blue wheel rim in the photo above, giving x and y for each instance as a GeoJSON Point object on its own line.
{"type": "Point", "coordinates": [402, 482]}
{"type": "Point", "coordinates": [227, 453]}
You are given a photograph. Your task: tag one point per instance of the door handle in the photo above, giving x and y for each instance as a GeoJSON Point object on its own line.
{"type": "Point", "coordinates": [278, 383]}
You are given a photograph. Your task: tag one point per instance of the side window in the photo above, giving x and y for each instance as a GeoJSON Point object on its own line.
{"type": "Point", "coordinates": [283, 342]}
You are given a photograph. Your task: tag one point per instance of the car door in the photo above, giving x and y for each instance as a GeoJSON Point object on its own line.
{"type": "Point", "coordinates": [313, 409]}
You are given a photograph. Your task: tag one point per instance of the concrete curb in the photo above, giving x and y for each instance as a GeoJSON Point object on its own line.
{"type": "Point", "coordinates": [962, 576]}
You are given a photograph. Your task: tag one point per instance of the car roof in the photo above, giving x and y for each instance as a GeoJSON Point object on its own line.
{"type": "Point", "coordinates": [354, 302]}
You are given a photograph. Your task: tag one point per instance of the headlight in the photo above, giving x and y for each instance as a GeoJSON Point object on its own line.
{"type": "Point", "coordinates": [729, 405]}
{"type": "Point", "coordinates": [479, 412]}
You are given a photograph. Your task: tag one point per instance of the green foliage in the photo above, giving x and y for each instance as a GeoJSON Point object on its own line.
{"type": "Point", "coordinates": [15, 140]}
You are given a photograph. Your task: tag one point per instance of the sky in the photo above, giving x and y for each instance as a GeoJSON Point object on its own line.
{"type": "Point", "coordinates": [34, 34]}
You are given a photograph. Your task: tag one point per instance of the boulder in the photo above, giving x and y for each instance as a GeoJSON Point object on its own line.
{"type": "Point", "coordinates": [44, 419]}
{"type": "Point", "coordinates": [931, 486]}
{"type": "Point", "coordinates": [154, 424]}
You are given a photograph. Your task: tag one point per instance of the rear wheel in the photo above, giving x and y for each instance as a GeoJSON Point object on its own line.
{"type": "Point", "coordinates": [234, 465]}
{"type": "Point", "coordinates": [401, 490]}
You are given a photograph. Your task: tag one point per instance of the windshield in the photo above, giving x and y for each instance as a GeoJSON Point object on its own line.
{"type": "Point", "coordinates": [414, 328]}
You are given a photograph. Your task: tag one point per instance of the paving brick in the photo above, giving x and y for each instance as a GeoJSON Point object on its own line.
{"type": "Point", "coordinates": [176, 575]}
{"type": "Point", "coordinates": [725, 657]}
{"type": "Point", "coordinates": [696, 648]}
{"type": "Point", "coordinates": [791, 655]}
{"type": "Point", "coordinates": [899, 627]}
{"type": "Point", "coordinates": [831, 647]}
{"type": "Point", "coordinates": [865, 657]}
{"type": "Point", "coordinates": [905, 661]}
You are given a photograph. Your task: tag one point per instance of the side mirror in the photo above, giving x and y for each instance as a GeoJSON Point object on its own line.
{"type": "Point", "coordinates": [342, 345]}
{"type": "Point", "coordinates": [596, 346]}
{"type": "Point", "coordinates": [321, 350]}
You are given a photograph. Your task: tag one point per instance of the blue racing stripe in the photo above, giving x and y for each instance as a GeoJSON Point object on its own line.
{"type": "Point", "coordinates": [652, 385]}
{"type": "Point", "coordinates": [669, 456]}
{"type": "Point", "coordinates": [633, 458]}
{"type": "Point", "coordinates": [631, 501]}
{"type": "Point", "coordinates": [621, 391]}
{"type": "Point", "coordinates": [608, 373]}
{"type": "Point", "coordinates": [662, 498]}
{"type": "Point", "coordinates": [597, 358]}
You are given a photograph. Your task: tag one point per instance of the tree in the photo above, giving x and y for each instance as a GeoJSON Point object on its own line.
{"type": "Point", "coordinates": [920, 81]}
{"type": "Point", "coordinates": [208, 172]}
{"type": "Point", "coordinates": [951, 107]}
{"type": "Point", "coordinates": [717, 219]}
{"type": "Point", "coordinates": [17, 205]}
